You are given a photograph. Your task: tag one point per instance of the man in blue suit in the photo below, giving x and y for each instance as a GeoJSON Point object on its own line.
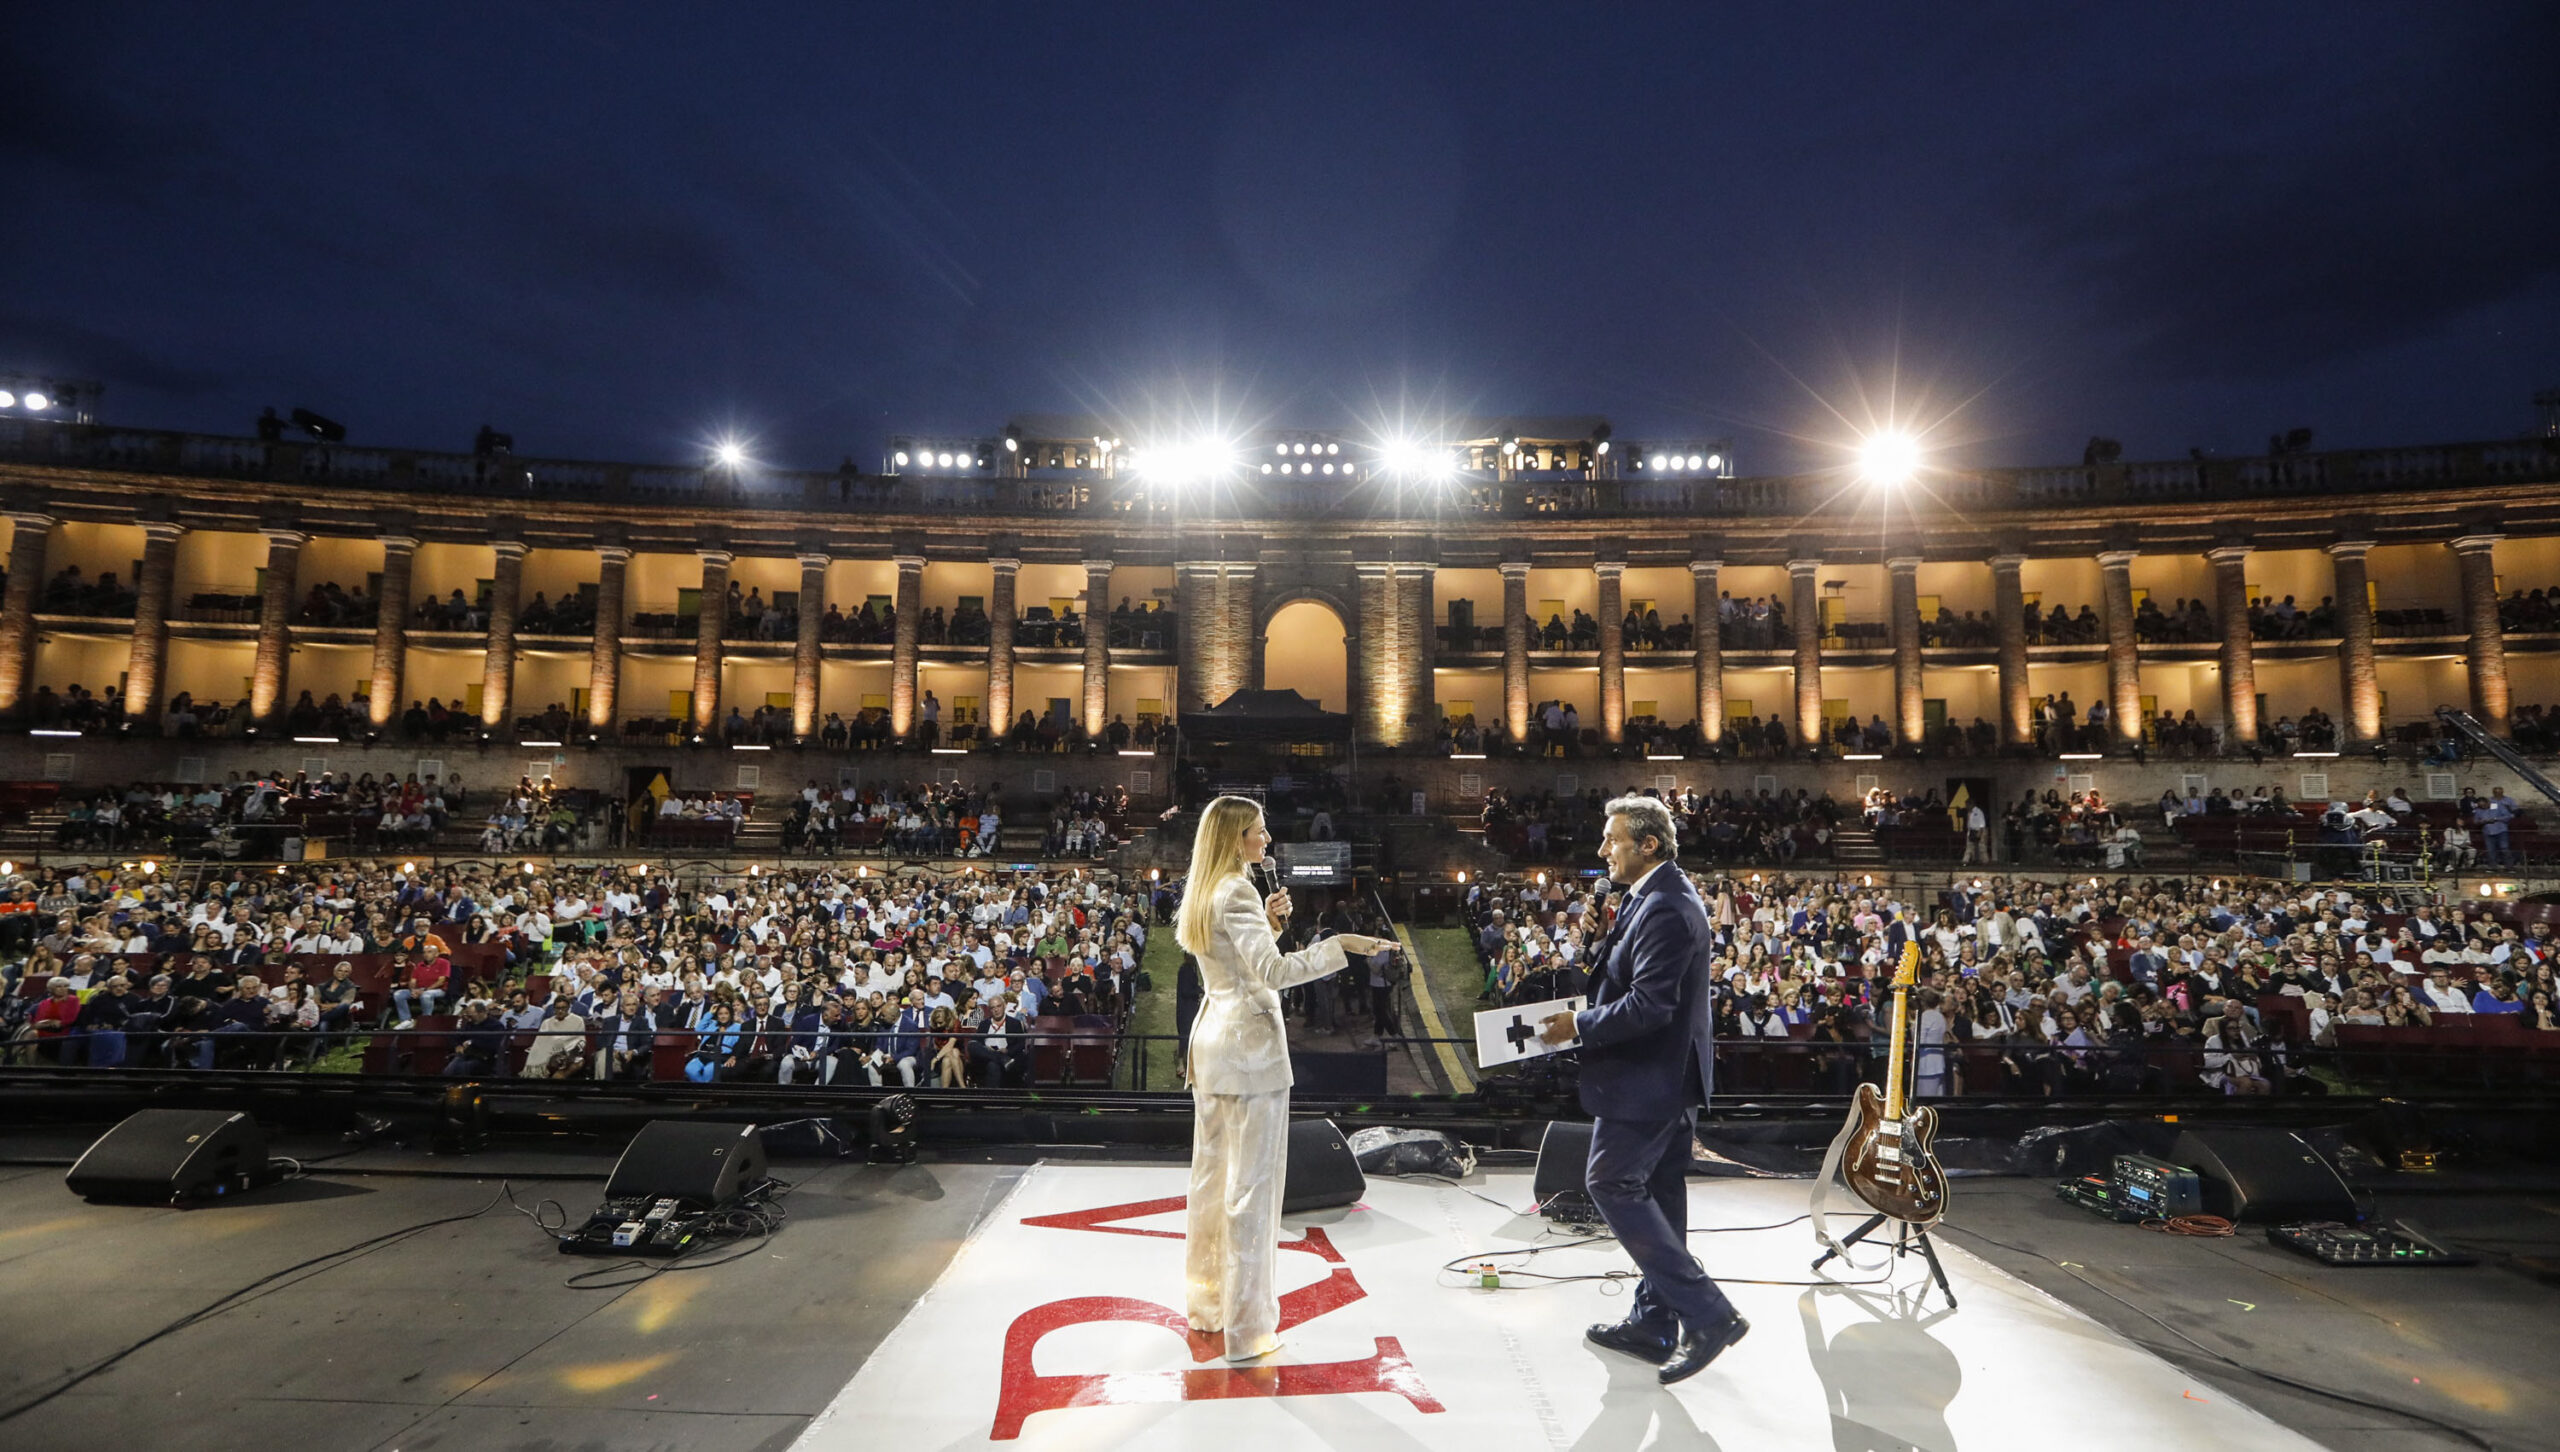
{"type": "Point", "coordinates": [1648, 1062]}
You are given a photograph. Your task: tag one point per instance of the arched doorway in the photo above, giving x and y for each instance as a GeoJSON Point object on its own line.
{"type": "Point", "coordinates": [1304, 650]}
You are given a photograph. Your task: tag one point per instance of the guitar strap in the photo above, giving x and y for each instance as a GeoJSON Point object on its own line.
{"type": "Point", "coordinates": [1819, 1208]}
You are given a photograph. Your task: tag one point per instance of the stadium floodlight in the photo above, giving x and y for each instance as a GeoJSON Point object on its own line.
{"type": "Point", "coordinates": [8, 399]}
{"type": "Point", "coordinates": [1715, 461]}
{"type": "Point", "coordinates": [38, 403]}
{"type": "Point", "coordinates": [1189, 461]}
{"type": "Point", "coordinates": [730, 453]}
{"type": "Point", "coordinates": [901, 457]}
{"type": "Point", "coordinates": [1695, 461]}
{"type": "Point", "coordinates": [1889, 458]}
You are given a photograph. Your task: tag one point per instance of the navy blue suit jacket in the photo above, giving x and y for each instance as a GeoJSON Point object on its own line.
{"type": "Point", "coordinates": [1648, 1049]}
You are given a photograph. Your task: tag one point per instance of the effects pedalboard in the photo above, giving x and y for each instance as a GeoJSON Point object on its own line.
{"type": "Point", "coordinates": [2139, 1188]}
{"type": "Point", "coordinates": [2332, 1243]}
{"type": "Point", "coordinates": [636, 1225]}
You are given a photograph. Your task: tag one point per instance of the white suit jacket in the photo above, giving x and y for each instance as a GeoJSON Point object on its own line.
{"type": "Point", "coordinates": [1238, 1044]}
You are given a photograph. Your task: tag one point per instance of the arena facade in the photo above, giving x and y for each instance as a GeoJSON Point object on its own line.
{"type": "Point", "coordinates": [2298, 603]}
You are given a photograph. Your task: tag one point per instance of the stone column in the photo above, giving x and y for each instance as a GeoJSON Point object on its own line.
{"type": "Point", "coordinates": [2239, 647]}
{"type": "Point", "coordinates": [275, 626]}
{"type": "Point", "coordinates": [604, 655]}
{"type": "Point", "coordinates": [1097, 646]}
{"type": "Point", "coordinates": [710, 628]}
{"type": "Point", "coordinates": [1389, 676]}
{"type": "Point", "coordinates": [903, 696]}
{"type": "Point", "coordinates": [1219, 624]}
{"type": "Point", "coordinates": [2009, 617]}
{"type": "Point", "coordinates": [18, 607]}
{"type": "Point", "coordinates": [498, 663]}
{"type": "Point", "coordinates": [1613, 649]}
{"type": "Point", "coordinates": [150, 658]}
{"type": "Point", "coordinates": [2358, 686]}
{"type": "Point", "coordinates": [1515, 650]}
{"type": "Point", "coordinates": [2487, 652]}
{"type": "Point", "coordinates": [1706, 636]}
{"type": "Point", "coordinates": [2124, 658]}
{"type": "Point", "coordinates": [1000, 612]}
{"type": "Point", "coordinates": [391, 630]}
{"type": "Point", "coordinates": [805, 652]}
{"type": "Point", "coordinates": [1805, 607]}
{"type": "Point", "coordinates": [1910, 722]}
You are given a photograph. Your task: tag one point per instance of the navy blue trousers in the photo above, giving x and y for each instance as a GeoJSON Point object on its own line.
{"type": "Point", "coordinates": [1638, 1174]}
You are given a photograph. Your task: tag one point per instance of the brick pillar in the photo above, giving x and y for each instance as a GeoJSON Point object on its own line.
{"type": "Point", "coordinates": [2124, 659]}
{"type": "Point", "coordinates": [498, 663]}
{"type": "Point", "coordinates": [2358, 687]}
{"type": "Point", "coordinates": [391, 631]}
{"type": "Point", "coordinates": [604, 656]}
{"type": "Point", "coordinates": [1805, 607]}
{"type": "Point", "coordinates": [18, 607]}
{"type": "Point", "coordinates": [2009, 615]}
{"type": "Point", "coordinates": [1515, 650]}
{"type": "Point", "coordinates": [1613, 650]}
{"type": "Point", "coordinates": [1418, 582]}
{"type": "Point", "coordinates": [2487, 651]}
{"type": "Point", "coordinates": [150, 659]}
{"type": "Point", "coordinates": [1097, 646]}
{"type": "Point", "coordinates": [1218, 628]}
{"type": "Point", "coordinates": [275, 626]}
{"type": "Point", "coordinates": [902, 649]}
{"type": "Point", "coordinates": [1000, 613]}
{"type": "Point", "coordinates": [2239, 648]}
{"type": "Point", "coordinates": [708, 646]}
{"type": "Point", "coordinates": [805, 652]}
{"type": "Point", "coordinates": [1389, 680]}
{"type": "Point", "coordinates": [1910, 722]}
{"type": "Point", "coordinates": [1706, 634]}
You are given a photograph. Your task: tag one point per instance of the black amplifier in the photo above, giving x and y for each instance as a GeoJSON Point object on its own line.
{"type": "Point", "coordinates": [2149, 1189]}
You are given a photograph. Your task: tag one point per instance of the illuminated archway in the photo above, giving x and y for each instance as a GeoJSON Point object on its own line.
{"type": "Point", "coordinates": [1305, 649]}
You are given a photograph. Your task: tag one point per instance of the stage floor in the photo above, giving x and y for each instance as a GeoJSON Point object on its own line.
{"type": "Point", "coordinates": [1057, 1326]}
{"type": "Point", "coordinates": [883, 1312]}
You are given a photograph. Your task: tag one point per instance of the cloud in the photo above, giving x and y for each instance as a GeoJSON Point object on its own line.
{"type": "Point", "coordinates": [2269, 223]}
{"type": "Point", "coordinates": [49, 345]}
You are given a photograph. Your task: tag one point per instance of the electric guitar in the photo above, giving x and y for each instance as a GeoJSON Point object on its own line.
{"type": "Point", "coordinates": [1887, 1160]}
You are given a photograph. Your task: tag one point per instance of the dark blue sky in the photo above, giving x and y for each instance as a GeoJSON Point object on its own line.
{"type": "Point", "coordinates": [617, 232]}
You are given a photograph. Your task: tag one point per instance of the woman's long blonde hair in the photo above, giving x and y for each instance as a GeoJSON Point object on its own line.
{"type": "Point", "coordinates": [1217, 853]}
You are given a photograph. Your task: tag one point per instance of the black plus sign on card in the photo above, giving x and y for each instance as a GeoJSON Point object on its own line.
{"type": "Point", "coordinates": [1519, 1033]}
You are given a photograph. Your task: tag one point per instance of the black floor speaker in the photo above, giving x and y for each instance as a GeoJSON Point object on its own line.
{"type": "Point", "coordinates": [173, 1156]}
{"type": "Point", "coordinates": [1322, 1172]}
{"type": "Point", "coordinates": [1562, 1186]}
{"type": "Point", "coordinates": [701, 1164]}
{"type": "Point", "coordinates": [2263, 1175]}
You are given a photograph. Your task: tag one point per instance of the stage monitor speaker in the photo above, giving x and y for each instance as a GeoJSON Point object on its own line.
{"type": "Point", "coordinates": [702, 1164]}
{"type": "Point", "coordinates": [1322, 1172]}
{"type": "Point", "coordinates": [173, 1156]}
{"type": "Point", "coordinates": [1561, 1186]}
{"type": "Point", "coordinates": [2263, 1175]}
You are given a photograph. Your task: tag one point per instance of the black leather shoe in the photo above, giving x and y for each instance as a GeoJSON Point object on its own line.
{"type": "Point", "coordinates": [1635, 1340]}
{"type": "Point", "coordinates": [1696, 1349]}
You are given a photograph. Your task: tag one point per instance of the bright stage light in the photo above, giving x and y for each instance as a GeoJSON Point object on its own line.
{"type": "Point", "coordinates": [1012, 445]}
{"type": "Point", "coordinates": [1889, 458]}
{"type": "Point", "coordinates": [38, 403]}
{"type": "Point", "coordinates": [8, 399]}
{"type": "Point", "coordinates": [1715, 461]}
{"type": "Point", "coordinates": [730, 454]}
{"type": "Point", "coordinates": [902, 458]}
{"type": "Point", "coordinates": [1694, 461]}
{"type": "Point", "coordinates": [943, 459]}
{"type": "Point", "coordinates": [1191, 460]}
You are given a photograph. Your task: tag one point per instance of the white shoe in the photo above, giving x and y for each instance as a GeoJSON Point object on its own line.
{"type": "Point", "coordinates": [406, 1023]}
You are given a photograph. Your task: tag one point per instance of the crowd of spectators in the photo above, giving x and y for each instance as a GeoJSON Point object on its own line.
{"type": "Point", "coordinates": [800, 976]}
{"type": "Point", "coordinates": [2048, 987]}
{"type": "Point", "coordinates": [1771, 828]}
{"type": "Point", "coordinates": [218, 819]}
{"type": "Point", "coordinates": [70, 592]}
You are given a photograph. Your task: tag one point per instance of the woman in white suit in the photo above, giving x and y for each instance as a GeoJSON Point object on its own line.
{"type": "Point", "coordinates": [1239, 1067]}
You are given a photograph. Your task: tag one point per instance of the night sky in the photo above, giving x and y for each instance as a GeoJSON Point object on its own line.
{"type": "Point", "coordinates": [618, 231]}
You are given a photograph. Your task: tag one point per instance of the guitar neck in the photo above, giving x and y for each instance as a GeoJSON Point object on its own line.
{"type": "Point", "coordinates": [1893, 1077]}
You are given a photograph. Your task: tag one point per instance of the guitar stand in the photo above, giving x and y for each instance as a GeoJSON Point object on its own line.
{"type": "Point", "coordinates": [1907, 1237]}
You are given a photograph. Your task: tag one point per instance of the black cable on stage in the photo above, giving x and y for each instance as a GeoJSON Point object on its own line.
{"type": "Point", "coordinates": [341, 1256]}
{"type": "Point", "coordinates": [2455, 1429]}
{"type": "Point", "coordinates": [759, 1216]}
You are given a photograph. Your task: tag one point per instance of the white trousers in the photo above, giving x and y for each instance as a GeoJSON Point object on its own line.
{"type": "Point", "coordinates": [1239, 1154]}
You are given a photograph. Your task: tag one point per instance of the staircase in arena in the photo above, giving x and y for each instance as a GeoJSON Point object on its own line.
{"type": "Point", "coordinates": [1856, 847]}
